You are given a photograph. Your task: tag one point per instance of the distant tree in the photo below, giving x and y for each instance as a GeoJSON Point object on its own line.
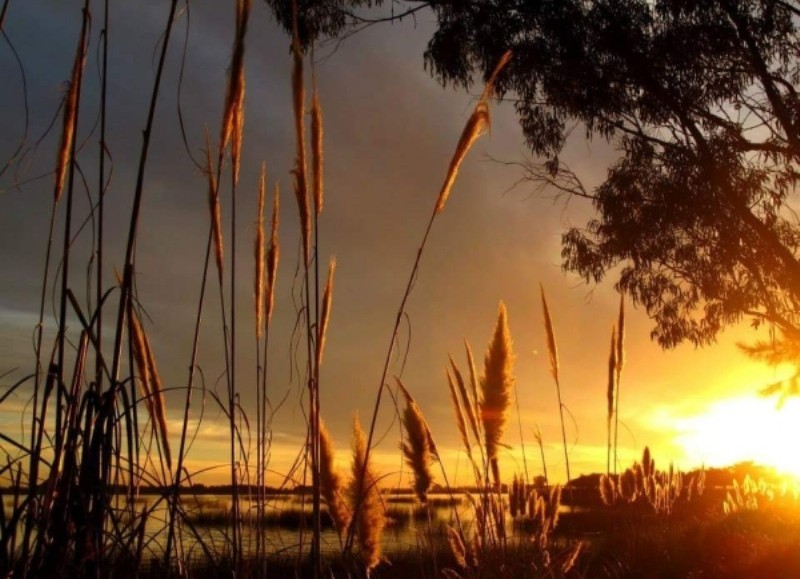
{"type": "Point", "coordinates": [697, 215]}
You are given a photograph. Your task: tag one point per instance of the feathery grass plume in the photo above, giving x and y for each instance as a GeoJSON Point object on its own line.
{"type": "Point", "coordinates": [232, 112]}
{"type": "Point", "coordinates": [460, 423]}
{"type": "Point", "coordinates": [140, 359]}
{"type": "Point", "coordinates": [552, 348]}
{"type": "Point", "coordinates": [70, 107]}
{"type": "Point", "coordinates": [273, 257]}
{"type": "Point", "coordinates": [305, 217]}
{"type": "Point", "coordinates": [552, 352]}
{"type": "Point", "coordinates": [417, 450]}
{"type": "Point", "coordinates": [611, 393]}
{"type": "Point", "coordinates": [299, 172]}
{"type": "Point", "coordinates": [159, 405]}
{"type": "Point", "coordinates": [431, 444]}
{"type": "Point", "coordinates": [317, 158]}
{"type": "Point", "coordinates": [607, 491]}
{"type": "Point", "coordinates": [466, 400]}
{"type": "Point", "coordinates": [498, 379]}
{"type": "Point", "coordinates": [627, 485]}
{"type": "Point", "coordinates": [238, 134]}
{"type": "Point", "coordinates": [364, 490]}
{"type": "Point", "coordinates": [554, 505]}
{"type": "Point", "coordinates": [331, 483]}
{"type": "Point", "coordinates": [457, 547]}
{"type": "Point", "coordinates": [258, 290]}
{"type": "Point", "coordinates": [216, 211]}
{"type": "Point", "coordinates": [327, 299]}
{"type": "Point", "coordinates": [478, 123]}
{"type": "Point", "coordinates": [150, 381]}
{"type": "Point", "coordinates": [648, 464]}
{"type": "Point", "coordinates": [473, 377]}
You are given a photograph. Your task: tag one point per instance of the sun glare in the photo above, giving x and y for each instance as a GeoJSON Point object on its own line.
{"type": "Point", "coordinates": [747, 428]}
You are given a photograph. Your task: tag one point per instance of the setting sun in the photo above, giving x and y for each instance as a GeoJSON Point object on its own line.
{"type": "Point", "coordinates": [747, 428]}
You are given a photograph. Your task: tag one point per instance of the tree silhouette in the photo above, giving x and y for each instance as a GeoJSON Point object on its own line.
{"type": "Point", "coordinates": [700, 98]}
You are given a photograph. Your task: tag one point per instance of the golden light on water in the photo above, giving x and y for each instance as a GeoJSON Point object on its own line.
{"type": "Point", "coordinates": [746, 428]}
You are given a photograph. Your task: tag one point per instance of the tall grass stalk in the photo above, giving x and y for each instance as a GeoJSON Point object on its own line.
{"type": "Point", "coordinates": [552, 352]}
{"type": "Point", "coordinates": [611, 394]}
{"type": "Point", "coordinates": [620, 362]}
{"type": "Point", "coordinates": [101, 180]}
{"type": "Point", "coordinates": [309, 227]}
{"type": "Point", "coordinates": [232, 132]}
{"type": "Point", "coordinates": [259, 307]}
{"type": "Point", "coordinates": [268, 303]}
{"type": "Point", "coordinates": [66, 164]}
{"type": "Point", "coordinates": [478, 123]}
{"type": "Point", "coordinates": [64, 157]}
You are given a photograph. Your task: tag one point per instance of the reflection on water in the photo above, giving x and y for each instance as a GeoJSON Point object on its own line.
{"type": "Point", "coordinates": [205, 518]}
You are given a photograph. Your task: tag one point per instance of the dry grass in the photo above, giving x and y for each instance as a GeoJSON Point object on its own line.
{"type": "Point", "coordinates": [317, 151]}
{"type": "Point", "coordinates": [327, 301]}
{"type": "Point", "coordinates": [496, 385]}
{"type": "Point", "coordinates": [365, 492]}
{"type": "Point", "coordinates": [478, 123]}
{"type": "Point", "coordinates": [260, 257]}
{"type": "Point", "coordinates": [331, 484]}
{"type": "Point", "coordinates": [70, 116]}
{"type": "Point", "coordinates": [417, 450]}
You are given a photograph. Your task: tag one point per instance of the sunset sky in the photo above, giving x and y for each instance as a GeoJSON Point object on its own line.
{"type": "Point", "coordinates": [390, 130]}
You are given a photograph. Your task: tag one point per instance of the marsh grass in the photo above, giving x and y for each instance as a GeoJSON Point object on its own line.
{"type": "Point", "coordinates": [72, 495]}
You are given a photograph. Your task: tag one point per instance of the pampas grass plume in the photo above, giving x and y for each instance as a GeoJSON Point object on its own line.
{"type": "Point", "coordinates": [552, 348]}
{"type": "Point", "coordinates": [457, 547]}
{"type": "Point", "coordinates": [159, 405]}
{"type": "Point", "coordinates": [477, 124]}
{"type": "Point", "coordinates": [150, 381]}
{"type": "Point", "coordinates": [233, 113]}
{"type": "Point", "coordinates": [473, 377]}
{"type": "Point", "coordinates": [365, 492]}
{"type": "Point", "coordinates": [70, 108]}
{"type": "Point", "coordinates": [466, 400]}
{"type": "Point", "coordinates": [260, 258]}
{"type": "Point", "coordinates": [327, 300]}
{"type": "Point", "coordinates": [331, 482]}
{"type": "Point", "coordinates": [460, 422]}
{"type": "Point", "coordinates": [273, 256]}
{"type": "Point", "coordinates": [417, 450]}
{"type": "Point", "coordinates": [496, 387]}
{"type": "Point", "coordinates": [299, 172]}
{"type": "Point", "coordinates": [317, 151]}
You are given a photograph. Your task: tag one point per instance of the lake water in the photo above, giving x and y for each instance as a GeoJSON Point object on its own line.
{"type": "Point", "coordinates": [407, 528]}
